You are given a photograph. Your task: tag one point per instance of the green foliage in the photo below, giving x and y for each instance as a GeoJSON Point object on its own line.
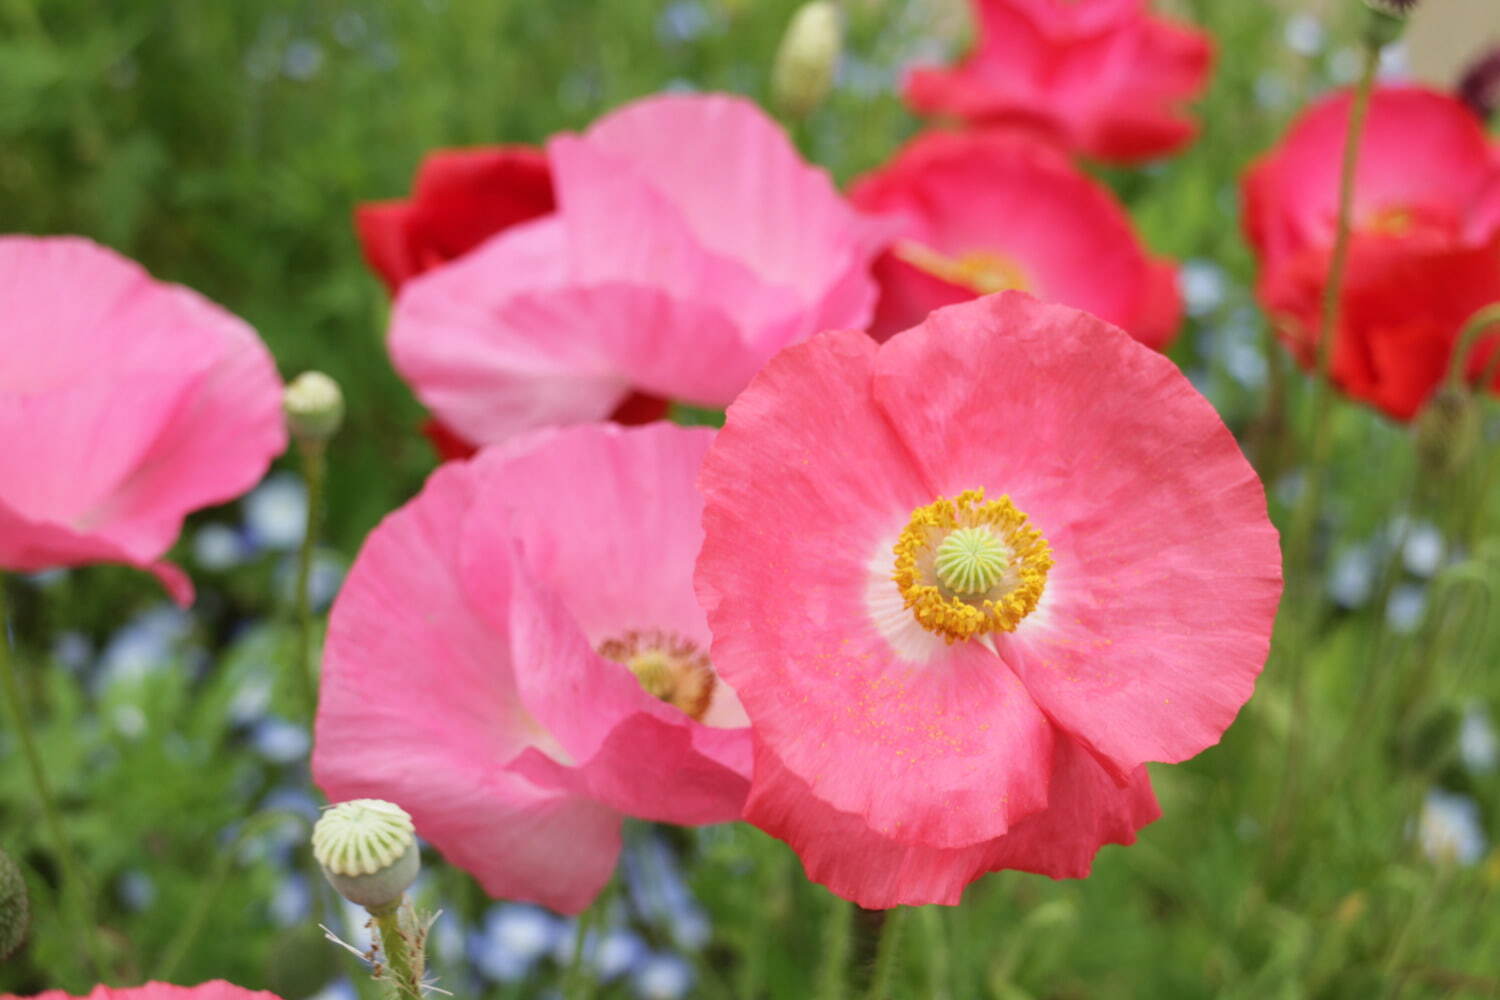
{"type": "Point", "coordinates": [225, 145]}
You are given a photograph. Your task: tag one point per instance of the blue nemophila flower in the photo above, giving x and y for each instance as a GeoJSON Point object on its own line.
{"type": "Point", "coordinates": [513, 938]}
{"type": "Point", "coordinates": [218, 547]}
{"type": "Point", "coordinates": [280, 741]}
{"type": "Point", "coordinates": [1477, 745]}
{"type": "Point", "coordinates": [1449, 828]}
{"type": "Point", "coordinates": [1405, 609]}
{"type": "Point", "coordinates": [663, 977]}
{"type": "Point", "coordinates": [276, 512]}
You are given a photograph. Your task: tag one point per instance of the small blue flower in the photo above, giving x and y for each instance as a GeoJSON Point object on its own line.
{"type": "Point", "coordinates": [291, 902]}
{"type": "Point", "coordinates": [1203, 286]}
{"type": "Point", "coordinates": [513, 938]}
{"type": "Point", "coordinates": [280, 741]}
{"type": "Point", "coordinates": [137, 890]}
{"type": "Point", "coordinates": [1407, 606]}
{"type": "Point", "coordinates": [617, 953]}
{"type": "Point", "coordinates": [302, 60]}
{"type": "Point", "coordinates": [1351, 578]}
{"type": "Point", "coordinates": [1477, 745]}
{"type": "Point", "coordinates": [219, 547]}
{"type": "Point", "coordinates": [1304, 34]}
{"type": "Point", "coordinates": [1449, 828]}
{"type": "Point", "coordinates": [663, 977]}
{"type": "Point", "coordinates": [276, 511]}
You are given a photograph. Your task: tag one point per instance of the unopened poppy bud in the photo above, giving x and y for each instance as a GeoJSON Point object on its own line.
{"type": "Point", "coordinates": [1448, 430]}
{"type": "Point", "coordinates": [15, 910]}
{"type": "Point", "coordinates": [368, 851]}
{"type": "Point", "coordinates": [1479, 87]}
{"type": "Point", "coordinates": [314, 406]}
{"type": "Point", "coordinates": [805, 62]}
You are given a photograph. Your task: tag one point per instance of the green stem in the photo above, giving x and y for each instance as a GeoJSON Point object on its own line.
{"type": "Point", "coordinates": [576, 980]}
{"type": "Point", "coordinates": [1468, 339]}
{"type": "Point", "coordinates": [1333, 290]}
{"type": "Point", "coordinates": [837, 937]}
{"type": "Point", "coordinates": [402, 957]}
{"type": "Point", "coordinates": [75, 890]}
{"type": "Point", "coordinates": [886, 954]}
{"type": "Point", "coordinates": [208, 892]}
{"type": "Point", "coordinates": [314, 456]}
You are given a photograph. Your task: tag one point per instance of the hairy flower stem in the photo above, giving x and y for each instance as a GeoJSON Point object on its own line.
{"type": "Point", "coordinates": [837, 936]}
{"type": "Point", "coordinates": [576, 979]}
{"type": "Point", "coordinates": [314, 455]}
{"type": "Point", "coordinates": [1473, 330]}
{"type": "Point", "coordinates": [400, 948]}
{"type": "Point", "coordinates": [76, 892]}
{"type": "Point", "coordinates": [886, 954]}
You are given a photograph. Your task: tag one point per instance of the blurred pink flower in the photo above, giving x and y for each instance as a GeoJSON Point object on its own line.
{"type": "Point", "coordinates": [125, 404]}
{"type": "Point", "coordinates": [216, 990]}
{"type": "Point", "coordinates": [480, 661]}
{"type": "Point", "coordinates": [1103, 78]}
{"type": "Point", "coordinates": [967, 582]}
{"type": "Point", "coordinates": [690, 243]}
{"type": "Point", "coordinates": [984, 211]}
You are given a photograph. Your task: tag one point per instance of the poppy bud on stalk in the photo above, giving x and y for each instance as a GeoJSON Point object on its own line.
{"type": "Point", "coordinates": [15, 911]}
{"type": "Point", "coordinates": [1448, 430]}
{"type": "Point", "coordinates": [1387, 20]}
{"type": "Point", "coordinates": [314, 406]}
{"type": "Point", "coordinates": [803, 72]}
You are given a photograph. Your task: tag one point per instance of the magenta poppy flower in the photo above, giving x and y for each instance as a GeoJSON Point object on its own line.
{"type": "Point", "coordinates": [1100, 77]}
{"type": "Point", "coordinates": [216, 990]}
{"type": "Point", "coordinates": [981, 211]}
{"type": "Point", "coordinates": [519, 662]}
{"type": "Point", "coordinates": [654, 275]}
{"type": "Point", "coordinates": [125, 404]}
{"type": "Point", "coordinates": [1425, 247]}
{"type": "Point", "coordinates": [967, 582]}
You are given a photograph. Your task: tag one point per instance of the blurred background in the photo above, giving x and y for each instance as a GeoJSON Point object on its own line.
{"type": "Point", "coordinates": [1337, 844]}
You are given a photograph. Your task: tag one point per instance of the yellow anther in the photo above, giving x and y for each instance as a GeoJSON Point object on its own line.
{"type": "Point", "coordinates": [983, 272]}
{"type": "Point", "coordinates": [667, 667]}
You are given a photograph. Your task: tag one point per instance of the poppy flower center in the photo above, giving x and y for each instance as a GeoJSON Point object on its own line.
{"type": "Point", "coordinates": [666, 666]}
{"type": "Point", "coordinates": [967, 566]}
{"type": "Point", "coordinates": [983, 272]}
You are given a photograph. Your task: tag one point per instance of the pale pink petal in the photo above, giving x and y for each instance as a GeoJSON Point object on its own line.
{"type": "Point", "coordinates": [806, 490]}
{"type": "Point", "coordinates": [1156, 617]}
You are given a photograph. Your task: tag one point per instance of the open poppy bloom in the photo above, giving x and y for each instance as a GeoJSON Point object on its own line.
{"type": "Point", "coordinates": [967, 582]}
{"type": "Point", "coordinates": [461, 198]}
{"type": "Point", "coordinates": [216, 990]}
{"type": "Point", "coordinates": [518, 662]}
{"type": "Point", "coordinates": [125, 404]}
{"type": "Point", "coordinates": [1424, 250]}
{"type": "Point", "coordinates": [1103, 78]}
{"type": "Point", "coordinates": [980, 212]}
{"type": "Point", "coordinates": [654, 275]}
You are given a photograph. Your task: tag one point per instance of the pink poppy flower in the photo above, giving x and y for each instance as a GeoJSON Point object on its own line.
{"type": "Point", "coordinates": [980, 212]}
{"type": "Point", "coordinates": [461, 198]}
{"type": "Point", "coordinates": [216, 990]}
{"type": "Point", "coordinates": [125, 403]}
{"type": "Point", "coordinates": [1425, 248]}
{"type": "Point", "coordinates": [967, 582]}
{"type": "Point", "coordinates": [655, 275]}
{"type": "Point", "coordinates": [519, 662]}
{"type": "Point", "coordinates": [1100, 77]}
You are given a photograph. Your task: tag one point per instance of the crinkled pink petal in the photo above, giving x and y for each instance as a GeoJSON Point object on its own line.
{"type": "Point", "coordinates": [1157, 613]}
{"type": "Point", "coordinates": [1086, 809]}
{"type": "Point", "coordinates": [125, 404]}
{"type": "Point", "coordinates": [806, 490]}
{"type": "Point", "coordinates": [418, 705]}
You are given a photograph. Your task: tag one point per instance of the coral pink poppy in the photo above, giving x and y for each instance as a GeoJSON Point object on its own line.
{"type": "Point", "coordinates": [654, 275]}
{"type": "Point", "coordinates": [980, 212]}
{"type": "Point", "coordinates": [125, 403]}
{"type": "Point", "coordinates": [518, 661]}
{"type": "Point", "coordinates": [968, 582]}
{"type": "Point", "coordinates": [461, 198]}
{"type": "Point", "coordinates": [216, 990]}
{"type": "Point", "coordinates": [1425, 246]}
{"type": "Point", "coordinates": [1101, 77]}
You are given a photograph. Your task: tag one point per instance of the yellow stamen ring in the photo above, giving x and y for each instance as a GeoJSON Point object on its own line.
{"type": "Point", "coordinates": [667, 666]}
{"type": "Point", "coordinates": [966, 567]}
{"type": "Point", "coordinates": [983, 272]}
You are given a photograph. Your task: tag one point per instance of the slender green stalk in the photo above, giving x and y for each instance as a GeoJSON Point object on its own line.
{"type": "Point", "coordinates": [1468, 338]}
{"type": "Point", "coordinates": [403, 962]}
{"type": "Point", "coordinates": [75, 890]}
{"type": "Point", "coordinates": [1333, 289]}
{"type": "Point", "coordinates": [314, 456]}
{"type": "Point", "coordinates": [935, 949]}
{"type": "Point", "coordinates": [886, 954]}
{"type": "Point", "coordinates": [576, 979]}
{"type": "Point", "coordinates": [208, 892]}
{"type": "Point", "coordinates": [837, 938]}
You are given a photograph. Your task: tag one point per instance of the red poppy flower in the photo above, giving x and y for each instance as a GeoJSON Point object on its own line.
{"type": "Point", "coordinates": [1100, 77]}
{"type": "Point", "coordinates": [981, 212]}
{"type": "Point", "coordinates": [1425, 249]}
